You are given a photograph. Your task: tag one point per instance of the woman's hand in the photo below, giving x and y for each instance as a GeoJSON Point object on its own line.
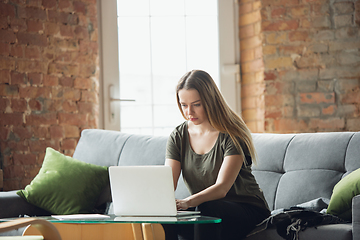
{"type": "Point", "coordinates": [182, 204]}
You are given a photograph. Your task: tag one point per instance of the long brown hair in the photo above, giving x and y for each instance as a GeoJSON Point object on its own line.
{"type": "Point", "coordinates": [220, 115]}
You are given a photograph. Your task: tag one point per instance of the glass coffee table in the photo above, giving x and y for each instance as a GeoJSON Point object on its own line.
{"type": "Point", "coordinates": [112, 227]}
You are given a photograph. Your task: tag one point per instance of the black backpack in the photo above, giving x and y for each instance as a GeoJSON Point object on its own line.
{"type": "Point", "coordinates": [291, 221]}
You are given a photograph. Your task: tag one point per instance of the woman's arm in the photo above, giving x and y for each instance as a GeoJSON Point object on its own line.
{"type": "Point", "coordinates": [228, 172]}
{"type": "Point", "coordinates": [176, 170]}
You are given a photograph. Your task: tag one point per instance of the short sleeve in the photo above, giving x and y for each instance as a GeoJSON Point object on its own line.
{"type": "Point", "coordinates": [230, 149]}
{"type": "Point", "coordinates": [173, 146]}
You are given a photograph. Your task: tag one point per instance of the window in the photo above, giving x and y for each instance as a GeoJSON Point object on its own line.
{"type": "Point", "coordinates": [157, 42]}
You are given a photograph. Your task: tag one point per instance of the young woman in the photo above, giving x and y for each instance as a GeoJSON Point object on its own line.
{"type": "Point", "coordinates": [214, 151]}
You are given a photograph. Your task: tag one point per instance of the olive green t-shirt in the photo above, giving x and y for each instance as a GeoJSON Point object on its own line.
{"type": "Point", "coordinates": [201, 171]}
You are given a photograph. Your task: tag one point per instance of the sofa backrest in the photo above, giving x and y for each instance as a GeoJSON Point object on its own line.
{"type": "Point", "coordinates": [113, 148]}
{"type": "Point", "coordinates": [291, 169]}
{"type": "Point", "coordinates": [296, 168]}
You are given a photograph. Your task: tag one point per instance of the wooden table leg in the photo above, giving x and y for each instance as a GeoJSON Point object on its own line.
{"type": "Point", "coordinates": [153, 231]}
{"type": "Point", "coordinates": [137, 231]}
{"type": "Point", "coordinates": [147, 231]}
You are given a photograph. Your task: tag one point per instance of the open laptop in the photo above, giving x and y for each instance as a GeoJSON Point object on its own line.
{"type": "Point", "coordinates": [144, 191]}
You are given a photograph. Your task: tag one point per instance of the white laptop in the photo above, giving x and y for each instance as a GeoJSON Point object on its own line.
{"type": "Point", "coordinates": [140, 191]}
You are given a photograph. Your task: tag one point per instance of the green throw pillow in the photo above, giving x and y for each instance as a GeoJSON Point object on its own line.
{"type": "Point", "coordinates": [65, 185]}
{"type": "Point", "coordinates": [341, 199]}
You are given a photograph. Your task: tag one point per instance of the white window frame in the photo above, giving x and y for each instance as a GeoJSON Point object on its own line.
{"type": "Point", "coordinates": [229, 58]}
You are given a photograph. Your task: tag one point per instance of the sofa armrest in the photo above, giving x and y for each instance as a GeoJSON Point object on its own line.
{"type": "Point", "coordinates": [12, 205]}
{"type": "Point", "coordinates": [356, 217]}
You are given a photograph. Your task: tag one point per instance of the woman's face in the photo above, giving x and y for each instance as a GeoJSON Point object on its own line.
{"type": "Point", "coordinates": [192, 106]}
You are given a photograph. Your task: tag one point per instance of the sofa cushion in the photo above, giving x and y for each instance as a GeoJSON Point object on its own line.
{"type": "Point", "coordinates": [341, 200]}
{"type": "Point", "coordinates": [65, 185]}
{"type": "Point", "coordinates": [100, 147]}
{"type": "Point", "coordinates": [143, 150]}
{"type": "Point", "coordinates": [296, 168]}
{"type": "Point", "coordinates": [271, 150]}
{"type": "Point", "coordinates": [313, 164]}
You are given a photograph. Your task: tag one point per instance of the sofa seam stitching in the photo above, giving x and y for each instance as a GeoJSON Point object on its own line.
{"type": "Point", "coordinates": [347, 147]}
{"type": "Point", "coordinates": [125, 141]}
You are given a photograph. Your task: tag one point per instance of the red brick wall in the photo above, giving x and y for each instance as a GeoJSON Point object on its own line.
{"type": "Point", "coordinates": [252, 65]}
{"type": "Point", "coordinates": [48, 81]}
{"type": "Point", "coordinates": [311, 52]}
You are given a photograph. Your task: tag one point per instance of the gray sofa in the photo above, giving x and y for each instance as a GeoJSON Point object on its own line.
{"type": "Point", "coordinates": [292, 169]}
